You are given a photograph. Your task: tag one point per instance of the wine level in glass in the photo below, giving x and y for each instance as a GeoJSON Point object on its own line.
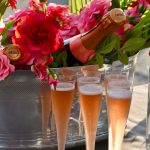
{"type": "Point", "coordinates": [62, 99]}
{"type": "Point", "coordinates": [90, 103]}
{"type": "Point", "coordinates": [118, 103]}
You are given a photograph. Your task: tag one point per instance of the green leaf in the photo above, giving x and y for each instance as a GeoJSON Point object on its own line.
{"type": "Point", "coordinates": [100, 60]}
{"type": "Point", "coordinates": [124, 4]}
{"type": "Point", "coordinates": [115, 4]}
{"type": "Point", "coordinates": [53, 65]}
{"type": "Point", "coordinates": [141, 27]}
{"type": "Point", "coordinates": [133, 44]}
{"type": "Point", "coordinates": [43, 1]}
{"type": "Point", "coordinates": [62, 58]}
{"type": "Point", "coordinates": [109, 44]}
{"type": "Point", "coordinates": [123, 57]}
{"type": "Point", "coordinates": [52, 73]}
{"type": "Point", "coordinates": [76, 5]}
{"type": "Point", "coordinates": [79, 5]}
{"type": "Point", "coordinates": [3, 6]}
{"type": "Point", "coordinates": [108, 48]}
{"type": "Point", "coordinates": [73, 8]}
{"type": "Point", "coordinates": [8, 25]}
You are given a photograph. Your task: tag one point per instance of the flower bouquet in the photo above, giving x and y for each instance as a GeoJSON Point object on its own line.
{"type": "Point", "coordinates": [38, 34]}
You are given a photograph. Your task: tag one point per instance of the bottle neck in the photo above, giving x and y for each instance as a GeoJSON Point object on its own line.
{"type": "Point", "coordinates": [105, 27]}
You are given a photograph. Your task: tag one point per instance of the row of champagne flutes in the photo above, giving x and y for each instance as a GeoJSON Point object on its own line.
{"type": "Point", "coordinates": [91, 87]}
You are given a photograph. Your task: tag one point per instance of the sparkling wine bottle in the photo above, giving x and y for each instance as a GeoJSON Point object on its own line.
{"type": "Point", "coordinates": [80, 48]}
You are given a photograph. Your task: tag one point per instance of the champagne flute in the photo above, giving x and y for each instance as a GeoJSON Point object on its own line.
{"type": "Point", "coordinates": [113, 76]}
{"type": "Point", "coordinates": [90, 95]}
{"type": "Point", "coordinates": [62, 98]}
{"type": "Point", "coordinates": [119, 95]}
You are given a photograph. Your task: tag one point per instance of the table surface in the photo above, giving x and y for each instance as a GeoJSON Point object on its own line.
{"type": "Point", "coordinates": [135, 131]}
{"type": "Point", "coordinates": [136, 125]}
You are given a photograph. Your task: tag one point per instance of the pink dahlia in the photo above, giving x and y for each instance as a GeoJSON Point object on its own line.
{"type": "Point", "coordinates": [58, 12]}
{"type": "Point", "coordinates": [92, 13]}
{"type": "Point", "coordinates": [5, 67]}
{"type": "Point", "coordinates": [71, 27]}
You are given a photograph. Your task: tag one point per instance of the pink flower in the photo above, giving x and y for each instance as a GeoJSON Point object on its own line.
{"type": "Point", "coordinates": [140, 3]}
{"type": "Point", "coordinates": [57, 11]}
{"type": "Point", "coordinates": [5, 67]}
{"type": "Point", "coordinates": [18, 14]}
{"type": "Point", "coordinates": [52, 81]}
{"type": "Point", "coordinates": [86, 20]}
{"type": "Point", "coordinates": [41, 72]}
{"type": "Point", "coordinates": [13, 3]}
{"type": "Point", "coordinates": [146, 3]}
{"type": "Point", "coordinates": [133, 4]}
{"type": "Point", "coordinates": [92, 13]}
{"type": "Point", "coordinates": [45, 61]}
{"type": "Point", "coordinates": [132, 12]}
{"type": "Point", "coordinates": [35, 4]}
{"type": "Point", "coordinates": [71, 27]}
{"type": "Point", "coordinates": [136, 10]}
{"type": "Point", "coordinates": [124, 28]}
{"type": "Point", "coordinates": [37, 34]}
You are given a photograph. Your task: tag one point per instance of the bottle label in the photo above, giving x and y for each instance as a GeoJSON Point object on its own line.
{"type": "Point", "coordinates": [12, 52]}
{"type": "Point", "coordinates": [80, 52]}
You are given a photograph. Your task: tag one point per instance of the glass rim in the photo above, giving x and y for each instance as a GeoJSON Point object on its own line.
{"type": "Point", "coordinates": [68, 78]}
{"type": "Point", "coordinates": [119, 84]}
{"type": "Point", "coordinates": [115, 76]}
{"type": "Point", "coordinates": [88, 79]}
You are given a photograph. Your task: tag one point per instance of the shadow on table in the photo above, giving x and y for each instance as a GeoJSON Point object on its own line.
{"type": "Point", "coordinates": [102, 145]}
{"type": "Point", "coordinates": [140, 78]}
{"type": "Point", "coordinates": [138, 130]}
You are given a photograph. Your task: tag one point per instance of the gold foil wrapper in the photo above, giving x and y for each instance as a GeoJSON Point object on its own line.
{"type": "Point", "coordinates": [117, 15]}
{"type": "Point", "coordinates": [12, 52]}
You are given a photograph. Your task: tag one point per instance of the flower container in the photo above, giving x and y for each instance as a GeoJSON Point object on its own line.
{"type": "Point", "coordinates": [26, 118]}
{"type": "Point", "coordinates": [24, 121]}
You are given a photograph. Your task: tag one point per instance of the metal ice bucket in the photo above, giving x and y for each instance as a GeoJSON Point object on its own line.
{"type": "Point", "coordinates": [26, 118]}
